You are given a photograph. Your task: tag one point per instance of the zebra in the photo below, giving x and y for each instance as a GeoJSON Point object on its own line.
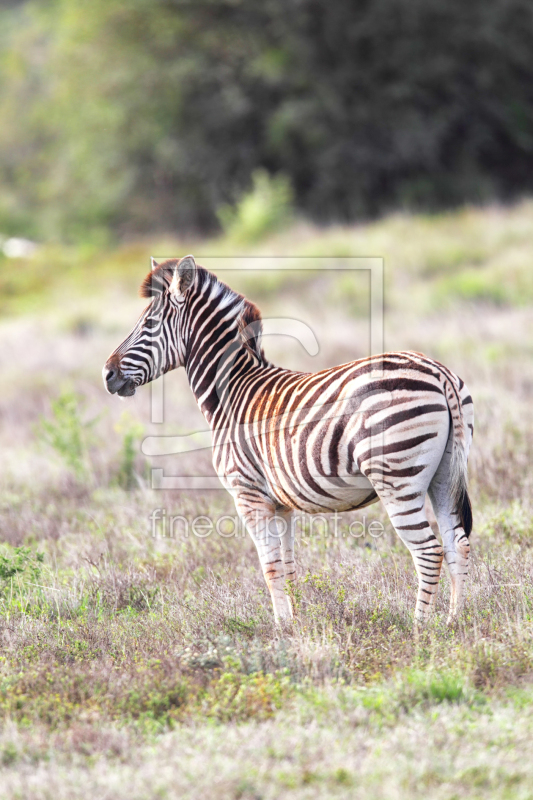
{"type": "Point", "coordinates": [393, 427]}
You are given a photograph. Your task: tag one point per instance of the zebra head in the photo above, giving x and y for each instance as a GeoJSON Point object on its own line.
{"type": "Point", "coordinates": [156, 344]}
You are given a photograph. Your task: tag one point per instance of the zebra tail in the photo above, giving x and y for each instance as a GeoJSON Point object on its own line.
{"type": "Point", "coordinates": [458, 466]}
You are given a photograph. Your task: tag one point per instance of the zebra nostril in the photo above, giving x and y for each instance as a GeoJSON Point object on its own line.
{"type": "Point", "coordinates": [110, 375]}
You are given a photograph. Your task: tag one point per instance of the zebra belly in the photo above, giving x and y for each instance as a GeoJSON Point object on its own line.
{"type": "Point", "coordinates": [321, 493]}
{"type": "Point", "coordinates": [312, 456]}
{"type": "Point", "coordinates": [318, 493]}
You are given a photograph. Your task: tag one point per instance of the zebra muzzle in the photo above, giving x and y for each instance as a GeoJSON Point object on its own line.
{"type": "Point", "coordinates": [116, 383]}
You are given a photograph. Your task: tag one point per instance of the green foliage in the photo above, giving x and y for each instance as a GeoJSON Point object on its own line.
{"type": "Point", "coordinates": [513, 523]}
{"type": "Point", "coordinates": [20, 563]}
{"type": "Point", "coordinates": [237, 697]}
{"type": "Point", "coordinates": [235, 625]}
{"type": "Point", "coordinates": [70, 435]}
{"type": "Point", "coordinates": [131, 432]}
{"type": "Point", "coordinates": [427, 687]}
{"type": "Point", "coordinates": [67, 433]}
{"type": "Point", "coordinates": [140, 115]}
{"type": "Point", "coordinates": [475, 285]}
{"type": "Point", "coordinates": [265, 208]}
{"type": "Point", "coordinates": [20, 573]}
{"type": "Point", "coordinates": [157, 694]}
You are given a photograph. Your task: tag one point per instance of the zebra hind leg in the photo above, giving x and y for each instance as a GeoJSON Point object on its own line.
{"type": "Point", "coordinates": [410, 523]}
{"type": "Point", "coordinates": [454, 538]}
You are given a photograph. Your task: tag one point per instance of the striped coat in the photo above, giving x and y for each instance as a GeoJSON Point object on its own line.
{"type": "Point", "coordinates": [394, 427]}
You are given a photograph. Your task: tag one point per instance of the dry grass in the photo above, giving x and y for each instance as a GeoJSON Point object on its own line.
{"type": "Point", "coordinates": [135, 666]}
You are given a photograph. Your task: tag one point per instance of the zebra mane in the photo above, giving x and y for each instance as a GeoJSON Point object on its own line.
{"type": "Point", "coordinates": [158, 280]}
{"type": "Point", "coordinates": [246, 313]}
{"type": "Point", "coordinates": [248, 316]}
{"type": "Point", "coordinates": [251, 329]}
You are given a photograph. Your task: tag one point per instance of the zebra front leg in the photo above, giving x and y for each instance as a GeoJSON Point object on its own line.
{"type": "Point", "coordinates": [266, 531]}
{"type": "Point", "coordinates": [287, 546]}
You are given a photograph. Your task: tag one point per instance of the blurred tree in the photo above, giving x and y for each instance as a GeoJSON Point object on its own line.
{"type": "Point", "coordinates": [141, 115]}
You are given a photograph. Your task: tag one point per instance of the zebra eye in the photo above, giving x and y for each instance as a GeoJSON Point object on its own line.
{"type": "Point", "coordinates": [150, 323]}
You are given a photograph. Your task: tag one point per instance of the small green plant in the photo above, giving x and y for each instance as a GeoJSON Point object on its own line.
{"type": "Point", "coordinates": [473, 285]}
{"type": "Point", "coordinates": [513, 522]}
{"type": "Point", "coordinates": [426, 687]}
{"type": "Point", "coordinates": [266, 208]}
{"type": "Point", "coordinates": [67, 433]}
{"type": "Point", "coordinates": [20, 563]}
{"type": "Point", "coordinates": [131, 431]}
{"type": "Point", "coordinates": [234, 696]}
{"type": "Point", "coordinates": [235, 625]}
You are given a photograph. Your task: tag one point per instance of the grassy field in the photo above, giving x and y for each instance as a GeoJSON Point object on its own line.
{"type": "Point", "coordinates": [140, 666]}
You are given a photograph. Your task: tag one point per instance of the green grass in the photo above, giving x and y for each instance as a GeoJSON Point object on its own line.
{"type": "Point", "coordinates": [139, 666]}
{"type": "Point", "coordinates": [471, 255]}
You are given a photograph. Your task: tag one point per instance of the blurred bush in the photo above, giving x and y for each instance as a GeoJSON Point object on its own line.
{"type": "Point", "coordinates": [67, 433]}
{"type": "Point", "coordinates": [129, 117]}
{"type": "Point", "coordinates": [131, 431]}
{"type": "Point", "coordinates": [265, 209]}
{"type": "Point", "coordinates": [20, 563]}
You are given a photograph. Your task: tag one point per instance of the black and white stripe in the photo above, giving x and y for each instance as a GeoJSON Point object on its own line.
{"type": "Point", "coordinates": [393, 427]}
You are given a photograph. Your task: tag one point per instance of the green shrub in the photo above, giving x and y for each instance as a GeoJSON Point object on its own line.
{"type": "Point", "coordinates": [265, 208]}
{"type": "Point", "coordinates": [513, 522]}
{"type": "Point", "coordinates": [427, 687]}
{"type": "Point", "coordinates": [22, 562]}
{"type": "Point", "coordinates": [20, 571]}
{"type": "Point", "coordinates": [237, 697]}
{"type": "Point", "coordinates": [474, 285]}
{"type": "Point", "coordinates": [67, 433]}
{"type": "Point", "coordinates": [131, 431]}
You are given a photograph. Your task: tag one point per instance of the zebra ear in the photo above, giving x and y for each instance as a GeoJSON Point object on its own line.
{"type": "Point", "coordinates": [184, 275]}
{"type": "Point", "coordinates": [154, 263]}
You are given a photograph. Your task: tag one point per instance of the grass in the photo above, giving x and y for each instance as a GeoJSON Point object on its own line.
{"type": "Point", "coordinates": [332, 747]}
{"type": "Point", "coordinates": [143, 666]}
{"type": "Point", "coordinates": [473, 255]}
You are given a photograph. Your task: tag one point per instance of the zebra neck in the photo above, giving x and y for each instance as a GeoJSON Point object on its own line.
{"type": "Point", "coordinates": [213, 370]}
